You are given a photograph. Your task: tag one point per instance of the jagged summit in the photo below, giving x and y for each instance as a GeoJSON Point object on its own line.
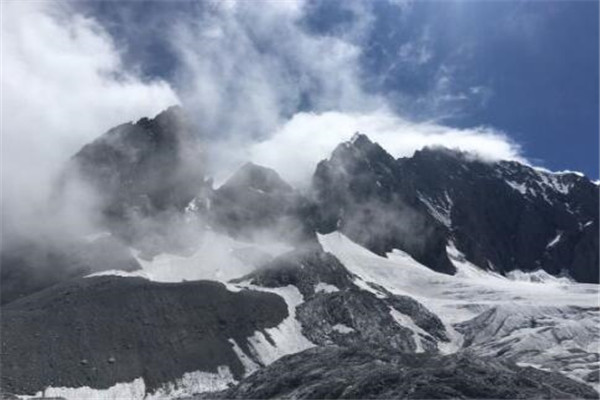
{"type": "Point", "coordinates": [361, 192]}
{"type": "Point", "coordinates": [502, 215]}
{"type": "Point", "coordinates": [151, 165]}
{"type": "Point", "coordinates": [257, 177]}
{"type": "Point", "coordinates": [506, 215]}
{"type": "Point", "coordinates": [255, 200]}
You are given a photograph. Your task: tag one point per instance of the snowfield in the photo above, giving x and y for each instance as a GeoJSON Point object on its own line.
{"type": "Point", "coordinates": [189, 384]}
{"type": "Point", "coordinates": [533, 319]}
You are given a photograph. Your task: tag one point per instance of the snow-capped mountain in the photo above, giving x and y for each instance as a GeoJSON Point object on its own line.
{"type": "Point", "coordinates": [439, 275]}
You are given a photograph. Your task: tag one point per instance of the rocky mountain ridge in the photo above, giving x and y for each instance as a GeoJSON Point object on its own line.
{"type": "Point", "coordinates": [502, 216]}
{"type": "Point", "coordinates": [387, 278]}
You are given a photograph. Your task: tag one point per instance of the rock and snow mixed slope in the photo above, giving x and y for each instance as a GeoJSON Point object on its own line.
{"type": "Point", "coordinates": [437, 253]}
{"type": "Point", "coordinates": [101, 331]}
{"type": "Point", "coordinates": [552, 325]}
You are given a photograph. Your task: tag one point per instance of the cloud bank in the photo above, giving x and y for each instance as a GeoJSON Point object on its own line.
{"type": "Point", "coordinates": [63, 84]}
{"type": "Point", "coordinates": [259, 83]}
{"type": "Point", "coordinates": [296, 148]}
{"type": "Point", "coordinates": [263, 87]}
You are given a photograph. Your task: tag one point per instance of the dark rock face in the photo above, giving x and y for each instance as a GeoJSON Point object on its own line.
{"type": "Point", "coordinates": [29, 266]}
{"type": "Point", "coordinates": [360, 191]}
{"type": "Point", "coordinates": [506, 215]}
{"type": "Point", "coordinates": [353, 317]}
{"type": "Point", "coordinates": [332, 372]}
{"type": "Point", "coordinates": [99, 331]}
{"type": "Point", "coordinates": [256, 201]}
{"type": "Point", "coordinates": [143, 168]}
{"type": "Point", "coordinates": [421, 316]}
{"type": "Point", "coordinates": [304, 268]}
{"type": "Point", "coordinates": [501, 215]}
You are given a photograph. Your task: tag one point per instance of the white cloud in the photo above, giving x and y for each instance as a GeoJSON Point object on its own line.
{"type": "Point", "coordinates": [63, 84]}
{"type": "Point", "coordinates": [245, 69]}
{"type": "Point", "coordinates": [296, 148]}
{"type": "Point", "coordinates": [247, 75]}
{"type": "Point", "coordinates": [245, 72]}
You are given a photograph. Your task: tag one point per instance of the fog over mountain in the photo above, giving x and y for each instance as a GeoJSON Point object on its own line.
{"type": "Point", "coordinates": [377, 251]}
{"type": "Point", "coordinates": [216, 200]}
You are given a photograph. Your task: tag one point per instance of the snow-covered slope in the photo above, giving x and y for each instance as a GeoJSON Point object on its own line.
{"type": "Point", "coordinates": [553, 325]}
{"type": "Point", "coordinates": [216, 257]}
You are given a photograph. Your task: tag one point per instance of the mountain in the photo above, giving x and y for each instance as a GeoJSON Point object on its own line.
{"type": "Point", "coordinates": [29, 266]}
{"type": "Point", "coordinates": [129, 328]}
{"type": "Point", "coordinates": [439, 275]}
{"type": "Point", "coordinates": [256, 201]}
{"type": "Point", "coordinates": [360, 191]}
{"type": "Point", "coordinates": [508, 216]}
{"type": "Point", "coordinates": [143, 172]}
{"type": "Point", "coordinates": [502, 216]}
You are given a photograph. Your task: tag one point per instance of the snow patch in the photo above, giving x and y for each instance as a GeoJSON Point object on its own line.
{"type": "Point", "coordinates": [194, 382]}
{"type": "Point", "coordinates": [249, 365]}
{"type": "Point", "coordinates": [341, 328]}
{"type": "Point", "coordinates": [554, 241]}
{"type": "Point", "coordinates": [539, 276]}
{"type": "Point", "coordinates": [189, 384]}
{"type": "Point", "coordinates": [286, 338]}
{"type": "Point", "coordinates": [127, 390]}
{"type": "Point", "coordinates": [519, 187]}
{"type": "Point", "coordinates": [407, 322]}
{"type": "Point", "coordinates": [322, 287]}
{"type": "Point", "coordinates": [438, 211]}
{"type": "Point", "coordinates": [120, 273]}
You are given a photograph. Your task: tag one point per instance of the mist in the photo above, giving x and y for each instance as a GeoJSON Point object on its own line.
{"type": "Point", "coordinates": [257, 84]}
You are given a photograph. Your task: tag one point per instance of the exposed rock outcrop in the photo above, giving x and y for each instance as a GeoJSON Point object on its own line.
{"type": "Point", "coordinates": [332, 372]}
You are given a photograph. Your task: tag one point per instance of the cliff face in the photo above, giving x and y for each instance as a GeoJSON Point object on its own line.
{"type": "Point", "coordinates": [361, 191]}
{"type": "Point", "coordinates": [144, 167]}
{"type": "Point", "coordinates": [508, 216]}
{"type": "Point", "coordinates": [502, 216]}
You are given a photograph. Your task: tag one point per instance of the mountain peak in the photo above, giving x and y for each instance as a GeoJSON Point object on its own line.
{"type": "Point", "coordinates": [255, 176]}
{"type": "Point", "coordinates": [360, 139]}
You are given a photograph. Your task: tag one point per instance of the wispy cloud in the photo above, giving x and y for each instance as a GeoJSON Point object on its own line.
{"type": "Point", "coordinates": [307, 138]}
{"type": "Point", "coordinates": [63, 83]}
{"type": "Point", "coordinates": [257, 81]}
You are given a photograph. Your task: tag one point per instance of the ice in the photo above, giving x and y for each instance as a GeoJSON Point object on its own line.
{"type": "Point", "coordinates": [547, 321]}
